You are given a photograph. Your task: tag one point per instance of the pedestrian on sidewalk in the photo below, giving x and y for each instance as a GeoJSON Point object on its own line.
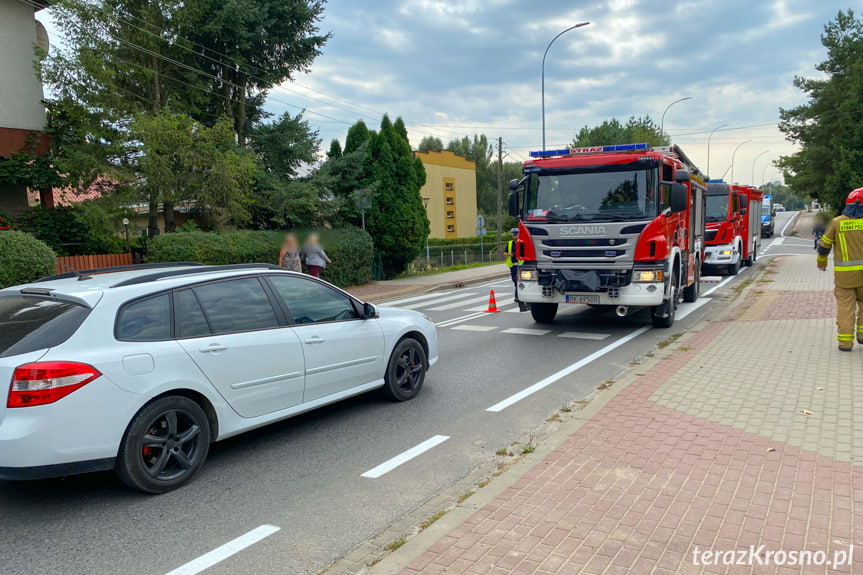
{"type": "Point", "coordinates": [314, 256]}
{"type": "Point", "coordinates": [512, 262]}
{"type": "Point", "coordinates": [846, 233]}
{"type": "Point", "coordinates": [289, 257]}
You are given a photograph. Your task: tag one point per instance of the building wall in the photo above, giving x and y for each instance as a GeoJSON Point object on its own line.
{"type": "Point", "coordinates": [21, 105]}
{"type": "Point", "coordinates": [450, 191]}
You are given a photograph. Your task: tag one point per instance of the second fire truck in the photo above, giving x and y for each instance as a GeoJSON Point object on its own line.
{"type": "Point", "coordinates": [733, 226]}
{"type": "Point", "coordinates": [612, 226]}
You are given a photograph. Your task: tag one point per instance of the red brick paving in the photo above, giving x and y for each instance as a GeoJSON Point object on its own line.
{"type": "Point", "coordinates": [640, 486]}
{"type": "Point", "coordinates": [802, 305]}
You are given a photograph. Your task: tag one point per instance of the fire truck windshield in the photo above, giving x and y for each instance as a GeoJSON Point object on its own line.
{"type": "Point", "coordinates": [717, 207]}
{"type": "Point", "coordinates": [600, 196]}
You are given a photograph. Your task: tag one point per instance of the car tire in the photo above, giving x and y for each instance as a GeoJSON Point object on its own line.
{"type": "Point", "coordinates": [164, 446]}
{"type": "Point", "coordinates": [543, 312]}
{"type": "Point", "coordinates": [668, 306]}
{"type": "Point", "coordinates": [734, 269]}
{"type": "Point", "coordinates": [691, 293]}
{"type": "Point", "coordinates": [406, 370]}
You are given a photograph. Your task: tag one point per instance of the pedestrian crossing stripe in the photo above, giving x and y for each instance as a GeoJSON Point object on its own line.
{"type": "Point", "coordinates": [475, 327]}
{"type": "Point", "coordinates": [526, 331]}
{"type": "Point", "coordinates": [582, 335]}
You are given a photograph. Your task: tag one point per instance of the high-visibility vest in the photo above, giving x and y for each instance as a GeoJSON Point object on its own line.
{"type": "Point", "coordinates": [846, 236]}
{"type": "Point", "coordinates": [509, 248]}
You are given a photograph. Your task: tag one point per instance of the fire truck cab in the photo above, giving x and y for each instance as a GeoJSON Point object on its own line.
{"type": "Point", "coordinates": [733, 226]}
{"type": "Point", "coordinates": [618, 226]}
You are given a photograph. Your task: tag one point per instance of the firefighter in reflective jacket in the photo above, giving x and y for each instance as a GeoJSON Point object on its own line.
{"type": "Point", "coordinates": [845, 235]}
{"type": "Point", "coordinates": [511, 259]}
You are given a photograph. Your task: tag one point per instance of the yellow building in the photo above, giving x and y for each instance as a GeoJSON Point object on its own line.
{"type": "Point", "coordinates": [449, 193]}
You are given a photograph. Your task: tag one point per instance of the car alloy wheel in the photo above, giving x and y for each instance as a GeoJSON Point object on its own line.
{"type": "Point", "coordinates": [406, 370]}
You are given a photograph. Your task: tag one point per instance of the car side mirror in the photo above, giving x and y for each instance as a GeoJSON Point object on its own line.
{"type": "Point", "coordinates": [513, 204]}
{"type": "Point", "coordinates": [369, 311]}
{"type": "Point", "coordinates": [513, 185]}
{"type": "Point", "coordinates": [679, 198]}
{"type": "Point", "coordinates": [682, 176]}
{"type": "Point", "coordinates": [743, 212]}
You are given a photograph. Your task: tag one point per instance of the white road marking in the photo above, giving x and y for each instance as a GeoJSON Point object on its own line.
{"type": "Point", "coordinates": [440, 299]}
{"type": "Point", "coordinates": [398, 302]}
{"type": "Point", "coordinates": [782, 233]}
{"type": "Point", "coordinates": [460, 303]}
{"type": "Point", "coordinates": [476, 327]}
{"type": "Point", "coordinates": [500, 406]}
{"type": "Point", "coordinates": [454, 321]}
{"type": "Point", "coordinates": [582, 335]}
{"type": "Point", "coordinates": [777, 242]}
{"type": "Point", "coordinates": [711, 279]}
{"type": "Point", "coordinates": [526, 331]}
{"type": "Point", "coordinates": [687, 308]}
{"type": "Point", "coordinates": [497, 283]}
{"type": "Point", "coordinates": [404, 457]}
{"type": "Point", "coordinates": [723, 282]}
{"type": "Point", "coordinates": [223, 552]}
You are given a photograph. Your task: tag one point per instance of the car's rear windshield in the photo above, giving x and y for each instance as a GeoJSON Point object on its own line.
{"type": "Point", "coordinates": [29, 323]}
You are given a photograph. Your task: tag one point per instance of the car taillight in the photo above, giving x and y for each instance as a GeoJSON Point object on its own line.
{"type": "Point", "coordinates": [45, 382]}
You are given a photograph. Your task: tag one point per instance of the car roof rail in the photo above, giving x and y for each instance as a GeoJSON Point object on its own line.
{"type": "Point", "coordinates": [201, 269]}
{"type": "Point", "coordinates": [78, 273]}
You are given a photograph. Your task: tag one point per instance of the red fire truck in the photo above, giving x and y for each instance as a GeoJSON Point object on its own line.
{"type": "Point", "coordinates": [733, 226]}
{"type": "Point", "coordinates": [612, 226]}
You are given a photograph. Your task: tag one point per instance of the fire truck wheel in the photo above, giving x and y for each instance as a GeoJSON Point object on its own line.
{"type": "Point", "coordinates": [733, 269]}
{"type": "Point", "coordinates": [543, 312]}
{"type": "Point", "coordinates": [666, 308]}
{"type": "Point", "coordinates": [690, 293]}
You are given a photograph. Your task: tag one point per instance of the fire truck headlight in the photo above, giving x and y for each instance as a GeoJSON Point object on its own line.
{"type": "Point", "coordinates": [527, 275]}
{"type": "Point", "coordinates": [725, 252]}
{"type": "Point", "coordinates": [647, 276]}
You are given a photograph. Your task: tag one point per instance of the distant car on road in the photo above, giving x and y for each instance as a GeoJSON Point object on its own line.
{"type": "Point", "coordinates": [140, 369]}
{"type": "Point", "coordinates": [779, 208]}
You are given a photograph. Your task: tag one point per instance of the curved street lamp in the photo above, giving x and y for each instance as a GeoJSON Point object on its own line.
{"type": "Point", "coordinates": [662, 122]}
{"type": "Point", "coordinates": [753, 165]}
{"type": "Point", "coordinates": [732, 159]}
{"type": "Point", "coordinates": [710, 135]}
{"type": "Point", "coordinates": [579, 25]}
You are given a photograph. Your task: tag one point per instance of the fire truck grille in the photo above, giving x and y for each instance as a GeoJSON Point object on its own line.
{"type": "Point", "coordinates": [583, 253]}
{"type": "Point", "coordinates": [583, 243]}
{"type": "Point", "coordinates": [608, 279]}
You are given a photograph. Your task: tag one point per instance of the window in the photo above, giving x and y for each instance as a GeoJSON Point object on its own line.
{"type": "Point", "coordinates": [448, 186]}
{"type": "Point", "coordinates": [313, 302]}
{"type": "Point", "coordinates": [237, 305]}
{"type": "Point", "coordinates": [191, 321]}
{"type": "Point", "coordinates": [450, 228]}
{"type": "Point", "coordinates": [145, 320]}
{"type": "Point", "coordinates": [449, 200]}
{"type": "Point", "coordinates": [449, 214]}
{"type": "Point", "coordinates": [29, 323]}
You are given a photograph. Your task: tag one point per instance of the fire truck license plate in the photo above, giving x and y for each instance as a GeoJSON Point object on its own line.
{"type": "Point", "coordinates": [582, 299]}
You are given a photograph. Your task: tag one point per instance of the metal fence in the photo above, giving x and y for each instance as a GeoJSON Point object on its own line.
{"type": "Point", "coordinates": [439, 257]}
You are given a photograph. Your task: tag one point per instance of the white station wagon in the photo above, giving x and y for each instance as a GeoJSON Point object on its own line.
{"type": "Point", "coordinates": [139, 369]}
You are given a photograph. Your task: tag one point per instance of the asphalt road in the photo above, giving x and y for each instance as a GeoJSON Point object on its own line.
{"type": "Point", "coordinates": [305, 475]}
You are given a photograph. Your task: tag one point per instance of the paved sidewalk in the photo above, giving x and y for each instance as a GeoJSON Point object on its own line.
{"type": "Point", "coordinates": [382, 291]}
{"type": "Point", "coordinates": [743, 434]}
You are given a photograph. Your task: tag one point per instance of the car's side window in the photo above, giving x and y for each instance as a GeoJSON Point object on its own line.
{"type": "Point", "coordinates": [145, 320]}
{"type": "Point", "coordinates": [313, 302]}
{"type": "Point", "coordinates": [237, 305]}
{"type": "Point", "coordinates": [190, 318]}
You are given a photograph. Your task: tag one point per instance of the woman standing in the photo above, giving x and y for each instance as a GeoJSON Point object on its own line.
{"type": "Point", "coordinates": [289, 257]}
{"type": "Point", "coordinates": [314, 256]}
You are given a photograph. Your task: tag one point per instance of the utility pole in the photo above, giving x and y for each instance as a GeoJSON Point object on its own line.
{"type": "Point", "coordinates": [499, 196]}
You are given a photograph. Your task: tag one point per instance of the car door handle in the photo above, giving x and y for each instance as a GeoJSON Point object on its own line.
{"type": "Point", "coordinates": [212, 347]}
{"type": "Point", "coordinates": [315, 339]}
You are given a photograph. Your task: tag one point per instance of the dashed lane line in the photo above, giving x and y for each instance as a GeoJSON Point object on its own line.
{"type": "Point", "coordinates": [404, 457]}
{"type": "Point", "coordinates": [458, 320]}
{"type": "Point", "coordinates": [526, 331]}
{"type": "Point", "coordinates": [222, 552]}
{"type": "Point", "coordinates": [515, 398]}
{"type": "Point", "coordinates": [583, 335]}
{"type": "Point", "coordinates": [475, 327]}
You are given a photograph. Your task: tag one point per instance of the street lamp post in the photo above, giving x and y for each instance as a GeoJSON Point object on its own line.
{"type": "Point", "coordinates": [753, 165]}
{"type": "Point", "coordinates": [732, 158]}
{"type": "Point", "coordinates": [764, 174]}
{"type": "Point", "coordinates": [662, 122]}
{"type": "Point", "coordinates": [710, 135]}
{"type": "Point", "coordinates": [579, 25]}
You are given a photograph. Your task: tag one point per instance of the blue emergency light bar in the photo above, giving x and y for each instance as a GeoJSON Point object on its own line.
{"type": "Point", "coordinates": [592, 150]}
{"type": "Point", "coordinates": [719, 181]}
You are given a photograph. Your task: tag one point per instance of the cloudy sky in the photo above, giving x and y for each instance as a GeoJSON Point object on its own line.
{"type": "Point", "coordinates": [459, 67]}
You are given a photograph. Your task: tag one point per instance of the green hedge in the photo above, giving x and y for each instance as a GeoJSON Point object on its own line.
{"type": "Point", "coordinates": [23, 258]}
{"type": "Point", "coordinates": [350, 250]}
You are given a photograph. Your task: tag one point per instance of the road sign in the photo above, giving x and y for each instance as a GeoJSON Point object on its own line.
{"type": "Point", "coordinates": [480, 231]}
{"type": "Point", "coordinates": [480, 221]}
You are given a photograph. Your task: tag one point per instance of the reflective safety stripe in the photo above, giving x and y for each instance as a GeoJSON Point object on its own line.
{"type": "Point", "coordinates": [845, 337]}
{"type": "Point", "coordinates": [847, 268]}
{"type": "Point", "coordinates": [859, 328]}
{"type": "Point", "coordinates": [843, 246]}
{"type": "Point", "coordinates": [826, 241]}
{"type": "Point", "coordinates": [822, 259]}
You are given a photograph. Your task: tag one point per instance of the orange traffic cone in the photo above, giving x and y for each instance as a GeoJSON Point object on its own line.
{"type": "Point", "coordinates": [492, 305]}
